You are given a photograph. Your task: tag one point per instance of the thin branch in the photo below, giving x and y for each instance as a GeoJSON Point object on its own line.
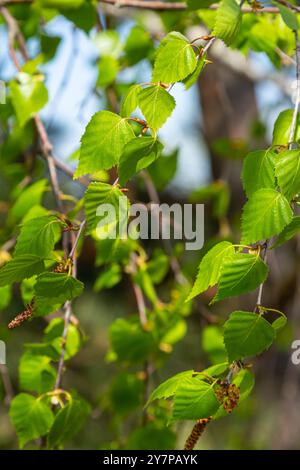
{"type": "Point", "coordinates": [14, 34]}
{"type": "Point", "coordinates": [60, 368]}
{"type": "Point", "coordinates": [176, 6]}
{"type": "Point", "coordinates": [165, 6]}
{"type": "Point", "coordinates": [73, 249]}
{"type": "Point", "coordinates": [261, 287]}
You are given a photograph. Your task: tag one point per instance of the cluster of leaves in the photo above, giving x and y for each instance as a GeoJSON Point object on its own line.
{"type": "Point", "coordinates": [128, 140]}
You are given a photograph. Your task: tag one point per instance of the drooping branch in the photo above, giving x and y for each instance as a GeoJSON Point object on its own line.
{"type": "Point", "coordinates": [157, 5]}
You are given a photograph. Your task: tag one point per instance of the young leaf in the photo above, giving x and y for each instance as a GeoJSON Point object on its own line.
{"type": "Point", "coordinates": [28, 96]}
{"type": "Point", "coordinates": [138, 154]}
{"type": "Point", "coordinates": [191, 79]}
{"type": "Point", "coordinates": [168, 388]}
{"type": "Point", "coordinates": [54, 289]}
{"type": "Point", "coordinates": [259, 171]}
{"type": "Point", "coordinates": [103, 142]}
{"type": "Point", "coordinates": [241, 273]}
{"type": "Point", "coordinates": [282, 128]}
{"type": "Point", "coordinates": [22, 267]}
{"type": "Point", "coordinates": [31, 417]}
{"type": "Point", "coordinates": [100, 194]}
{"type": "Point", "coordinates": [156, 105]}
{"type": "Point", "coordinates": [110, 277]}
{"type": "Point", "coordinates": [228, 21]}
{"type": "Point", "coordinates": [29, 197]}
{"type": "Point", "coordinates": [247, 334]}
{"type": "Point", "coordinates": [288, 232]}
{"type": "Point", "coordinates": [210, 268]}
{"type": "Point", "coordinates": [129, 342]}
{"type": "Point", "coordinates": [38, 236]}
{"type": "Point", "coordinates": [108, 68]}
{"type": "Point", "coordinates": [288, 16]}
{"type": "Point", "coordinates": [197, 5]}
{"type": "Point", "coordinates": [61, 4]}
{"type": "Point", "coordinates": [194, 399]}
{"type": "Point", "coordinates": [68, 421]}
{"type": "Point", "coordinates": [175, 60]}
{"type": "Point", "coordinates": [265, 214]}
{"type": "Point", "coordinates": [36, 373]}
{"type": "Point", "coordinates": [287, 170]}
{"type": "Point", "coordinates": [130, 101]}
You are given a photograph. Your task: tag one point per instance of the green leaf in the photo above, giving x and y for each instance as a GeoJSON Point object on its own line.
{"type": "Point", "coordinates": [138, 45]}
{"type": "Point", "coordinates": [103, 142]}
{"type": "Point", "coordinates": [61, 4]}
{"type": "Point", "coordinates": [28, 95]}
{"type": "Point", "coordinates": [108, 278]}
{"type": "Point", "coordinates": [156, 105]}
{"type": "Point", "coordinates": [287, 170]}
{"type": "Point", "coordinates": [247, 334]}
{"type": "Point", "coordinates": [241, 273]}
{"type": "Point", "coordinates": [163, 170]}
{"type": "Point", "coordinates": [130, 101]}
{"type": "Point", "coordinates": [175, 60]}
{"type": "Point", "coordinates": [36, 373]}
{"type": "Point", "coordinates": [38, 236]}
{"type": "Point", "coordinates": [194, 399]}
{"type": "Point", "coordinates": [31, 417]}
{"type": "Point", "coordinates": [288, 232]}
{"type": "Point", "coordinates": [101, 194]}
{"type": "Point", "coordinates": [265, 214]}
{"type": "Point", "coordinates": [228, 21]}
{"type": "Point", "coordinates": [54, 289]}
{"type": "Point", "coordinates": [210, 268]}
{"type": "Point", "coordinates": [199, 4]}
{"type": "Point", "coordinates": [282, 128]}
{"type": "Point", "coordinates": [108, 68]}
{"type": "Point", "coordinates": [191, 79]}
{"type": "Point", "coordinates": [5, 296]}
{"type": "Point", "coordinates": [129, 342]}
{"type": "Point", "coordinates": [152, 436]}
{"type": "Point", "coordinates": [259, 171]}
{"type": "Point", "coordinates": [288, 16]}
{"type": "Point", "coordinates": [22, 267]}
{"type": "Point", "coordinates": [108, 43]}
{"type": "Point", "coordinates": [212, 344]}
{"type": "Point", "coordinates": [126, 393]}
{"type": "Point", "coordinates": [29, 197]}
{"type": "Point", "coordinates": [138, 154]}
{"type": "Point", "coordinates": [168, 388]}
{"type": "Point", "coordinates": [68, 421]}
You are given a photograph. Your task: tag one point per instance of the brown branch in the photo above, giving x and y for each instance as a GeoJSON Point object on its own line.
{"type": "Point", "coordinates": [14, 34]}
{"type": "Point", "coordinates": [61, 362]}
{"type": "Point", "coordinates": [164, 6]}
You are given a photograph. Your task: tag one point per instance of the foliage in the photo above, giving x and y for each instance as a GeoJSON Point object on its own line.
{"type": "Point", "coordinates": [50, 227]}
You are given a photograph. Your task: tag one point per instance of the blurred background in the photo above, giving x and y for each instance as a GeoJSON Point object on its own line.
{"type": "Point", "coordinates": [230, 111]}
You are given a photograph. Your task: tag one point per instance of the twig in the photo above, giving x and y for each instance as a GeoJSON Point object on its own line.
{"type": "Point", "coordinates": [60, 368]}
{"type": "Point", "coordinates": [73, 249]}
{"type": "Point", "coordinates": [166, 6]}
{"type": "Point", "coordinates": [261, 287]}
